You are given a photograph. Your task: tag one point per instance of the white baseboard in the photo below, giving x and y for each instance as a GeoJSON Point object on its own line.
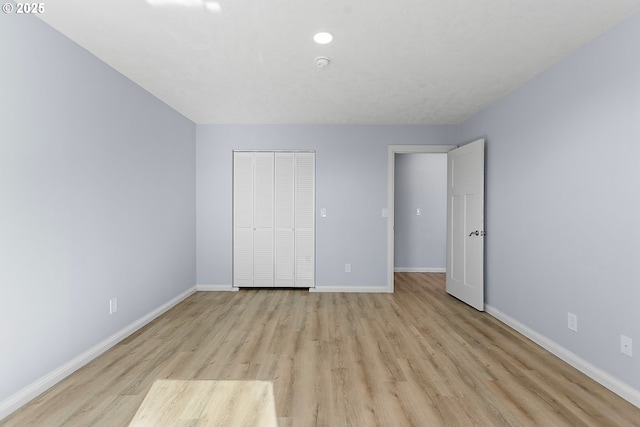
{"type": "Point", "coordinates": [419, 270]}
{"type": "Point", "coordinates": [216, 288]}
{"type": "Point", "coordinates": [612, 383]}
{"type": "Point", "coordinates": [33, 390]}
{"type": "Point", "coordinates": [361, 289]}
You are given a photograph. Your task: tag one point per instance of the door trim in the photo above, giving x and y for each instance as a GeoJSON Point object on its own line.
{"type": "Point", "coordinates": [391, 166]}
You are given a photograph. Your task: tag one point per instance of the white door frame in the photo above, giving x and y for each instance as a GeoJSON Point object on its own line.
{"type": "Point", "coordinates": [391, 166]}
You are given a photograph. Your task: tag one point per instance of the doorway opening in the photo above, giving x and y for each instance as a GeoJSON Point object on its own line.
{"type": "Point", "coordinates": [420, 213]}
{"type": "Point", "coordinates": [394, 150]}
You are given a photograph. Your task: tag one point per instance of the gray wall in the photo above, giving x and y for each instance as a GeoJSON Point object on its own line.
{"type": "Point", "coordinates": [563, 165]}
{"type": "Point", "coordinates": [420, 182]}
{"type": "Point", "coordinates": [351, 177]}
{"type": "Point", "coordinates": [97, 193]}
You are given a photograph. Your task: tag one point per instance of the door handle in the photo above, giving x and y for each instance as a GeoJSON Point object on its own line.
{"type": "Point", "coordinates": [478, 233]}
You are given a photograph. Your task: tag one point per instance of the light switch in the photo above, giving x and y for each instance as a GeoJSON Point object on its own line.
{"type": "Point", "coordinates": [418, 211]}
{"type": "Point", "coordinates": [385, 212]}
{"type": "Point", "coordinates": [323, 212]}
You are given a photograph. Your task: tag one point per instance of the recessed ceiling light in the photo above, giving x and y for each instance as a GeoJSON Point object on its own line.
{"type": "Point", "coordinates": [323, 37]}
{"type": "Point", "coordinates": [213, 6]}
{"type": "Point", "coordinates": [187, 3]}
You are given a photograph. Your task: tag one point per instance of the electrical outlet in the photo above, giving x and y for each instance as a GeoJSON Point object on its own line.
{"type": "Point", "coordinates": [625, 345]}
{"type": "Point", "coordinates": [418, 211]}
{"type": "Point", "coordinates": [347, 268]}
{"type": "Point", "coordinates": [572, 322]}
{"type": "Point", "coordinates": [113, 305]}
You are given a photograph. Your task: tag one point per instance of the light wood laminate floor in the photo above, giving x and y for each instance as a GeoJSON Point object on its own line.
{"type": "Point", "coordinates": [417, 357]}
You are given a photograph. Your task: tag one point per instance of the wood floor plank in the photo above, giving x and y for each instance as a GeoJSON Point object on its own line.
{"type": "Point", "coordinates": [412, 358]}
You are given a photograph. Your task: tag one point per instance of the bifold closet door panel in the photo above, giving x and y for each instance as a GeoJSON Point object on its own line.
{"type": "Point", "coordinates": [263, 257]}
{"type": "Point", "coordinates": [305, 190]}
{"type": "Point", "coordinates": [243, 257]}
{"type": "Point", "coordinates": [263, 220]}
{"type": "Point", "coordinates": [305, 219]}
{"type": "Point", "coordinates": [263, 197]}
{"type": "Point", "coordinates": [243, 178]}
{"type": "Point", "coordinates": [285, 258]}
{"type": "Point", "coordinates": [284, 220]}
{"type": "Point", "coordinates": [305, 260]}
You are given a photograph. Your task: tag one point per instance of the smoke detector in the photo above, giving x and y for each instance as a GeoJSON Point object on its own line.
{"type": "Point", "coordinates": [322, 62]}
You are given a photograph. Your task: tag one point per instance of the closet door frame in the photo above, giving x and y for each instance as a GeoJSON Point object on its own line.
{"type": "Point", "coordinates": [309, 280]}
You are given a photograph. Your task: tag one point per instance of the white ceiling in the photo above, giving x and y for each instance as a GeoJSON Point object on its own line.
{"type": "Point", "coordinates": [393, 62]}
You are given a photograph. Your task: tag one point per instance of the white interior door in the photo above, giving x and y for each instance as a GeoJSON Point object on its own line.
{"type": "Point", "coordinates": [465, 224]}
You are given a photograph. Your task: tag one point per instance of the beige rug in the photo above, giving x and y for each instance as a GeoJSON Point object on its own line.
{"type": "Point", "coordinates": [207, 403]}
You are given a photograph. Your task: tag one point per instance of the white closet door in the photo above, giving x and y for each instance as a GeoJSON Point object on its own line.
{"type": "Point", "coordinates": [284, 220]}
{"type": "Point", "coordinates": [243, 219]}
{"type": "Point", "coordinates": [263, 184]}
{"type": "Point", "coordinates": [263, 220]}
{"type": "Point", "coordinates": [243, 257]}
{"type": "Point", "coordinates": [263, 257]}
{"type": "Point", "coordinates": [274, 219]}
{"type": "Point", "coordinates": [243, 190]}
{"type": "Point", "coordinates": [305, 219]}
